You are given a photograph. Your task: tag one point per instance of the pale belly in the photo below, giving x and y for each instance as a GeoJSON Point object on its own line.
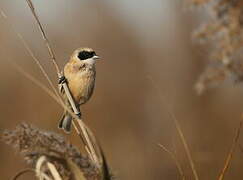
{"type": "Point", "coordinates": [81, 86]}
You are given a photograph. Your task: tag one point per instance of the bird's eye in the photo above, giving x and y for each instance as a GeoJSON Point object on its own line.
{"type": "Point", "coordinates": [93, 53]}
{"type": "Point", "coordinates": [85, 55]}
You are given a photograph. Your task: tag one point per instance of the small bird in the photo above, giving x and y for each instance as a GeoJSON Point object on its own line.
{"type": "Point", "coordinates": [80, 76]}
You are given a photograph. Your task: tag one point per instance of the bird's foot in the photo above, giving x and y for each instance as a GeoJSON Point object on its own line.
{"type": "Point", "coordinates": [62, 80]}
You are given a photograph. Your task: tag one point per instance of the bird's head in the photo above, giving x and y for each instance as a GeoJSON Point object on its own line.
{"type": "Point", "coordinates": [85, 55]}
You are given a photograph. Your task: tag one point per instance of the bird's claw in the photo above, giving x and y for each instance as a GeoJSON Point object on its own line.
{"type": "Point", "coordinates": [62, 80]}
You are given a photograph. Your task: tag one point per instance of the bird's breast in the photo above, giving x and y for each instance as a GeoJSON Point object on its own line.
{"type": "Point", "coordinates": [81, 85]}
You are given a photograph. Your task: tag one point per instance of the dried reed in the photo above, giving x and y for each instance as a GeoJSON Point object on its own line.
{"type": "Point", "coordinates": [224, 31]}
{"type": "Point", "coordinates": [91, 146]}
{"type": "Point", "coordinates": [50, 154]}
{"type": "Point", "coordinates": [174, 158]}
{"type": "Point", "coordinates": [230, 154]}
{"type": "Point", "coordinates": [178, 129]}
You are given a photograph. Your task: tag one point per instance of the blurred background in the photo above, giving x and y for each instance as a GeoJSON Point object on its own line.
{"type": "Point", "coordinates": [149, 65]}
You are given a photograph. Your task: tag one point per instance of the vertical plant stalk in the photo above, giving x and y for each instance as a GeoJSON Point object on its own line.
{"type": "Point", "coordinates": [184, 142]}
{"type": "Point", "coordinates": [83, 134]}
{"type": "Point", "coordinates": [50, 51]}
{"type": "Point", "coordinates": [173, 156]}
{"type": "Point", "coordinates": [231, 152]}
{"type": "Point", "coordinates": [179, 130]}
{"type": "Point", "coordinates": [52, 95]}
{"type": "Point", "coordinates": [58, 99]}
{"type": "Point", "coordinates": [104, 168]}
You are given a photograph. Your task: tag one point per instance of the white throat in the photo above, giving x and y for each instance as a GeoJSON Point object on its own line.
{"type": "Point", "coordinates": [90, 61]}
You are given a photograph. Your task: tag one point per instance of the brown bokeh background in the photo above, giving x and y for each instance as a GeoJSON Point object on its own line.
{"type": "Point", "coordinates": [149, 64]}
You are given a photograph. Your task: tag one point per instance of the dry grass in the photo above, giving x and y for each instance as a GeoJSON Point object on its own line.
{"type": "Point", "coordinates": [180, 133]}
{"type": "Point", "coordinates": [35, 144]}
{"type": "Point", "coordinates": [174, 158]}
{"type": "Point", "coordinates": [224, 31]}
{"type": "Point", "coordinates": [230, 155]}
{"type": "Point", "coordinates": [52, 157]}
{"type": "Point", "coordinates": [89, 146]}
{"type": "Point", "coordinates": [93, 149]}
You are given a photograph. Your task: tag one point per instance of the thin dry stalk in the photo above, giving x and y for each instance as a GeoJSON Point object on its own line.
{"type": "Point", "coordinates": [3, 14]}
{"type": "Point", "coordinates": [230, 154]}
{"type": "Point", "coordinates": [85, 137]}
{"type": "Point", "coordinates": [22, 172]}
{"type": "Point", "coordinates": [39, 172]}
{"type": "Point", "coordinates": [52, 95]}
{"type": "Point", "coordinates": [39, 84]}
{"type": "Point", "coordinates": [53, 171]}
{"type": "Point", "coordinates": [48, 91]}
{"type": "Point", "coordinates": [179, 130]}
{"type": "Point", "coordinates": [38, 167]}
{"type": "Point", "coordinates": [50, 51]}
{"type": "Point", "coordinates": [184, 142]}
{"type": "Point", "coordinates": [173, 156]}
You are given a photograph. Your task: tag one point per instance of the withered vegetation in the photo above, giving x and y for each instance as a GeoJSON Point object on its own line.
{"type": "Point", "coordinates": [33, 143]}
{"type": "Point", "coordinates": [97, 165]}
{"type": "Point", "coordinates": [224, 30]}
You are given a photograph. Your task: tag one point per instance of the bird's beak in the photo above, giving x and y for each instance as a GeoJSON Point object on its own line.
{"type": "Point", "coordinates": [96, 57]}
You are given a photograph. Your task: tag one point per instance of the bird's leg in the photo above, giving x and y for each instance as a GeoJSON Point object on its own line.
{"type": "Point", "coordinates": [62, 80]}
{"type": "Point", "coordinates": [79, 115]}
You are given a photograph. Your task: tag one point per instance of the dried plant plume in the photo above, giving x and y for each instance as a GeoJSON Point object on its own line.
{"type": "Point", "coordinates": [33, 143]}
{"type": "Point", "coordinates": [225, 33]}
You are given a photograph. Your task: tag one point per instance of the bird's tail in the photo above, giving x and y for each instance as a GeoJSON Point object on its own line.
{"type": "Point", "coordinates": [66, 122]}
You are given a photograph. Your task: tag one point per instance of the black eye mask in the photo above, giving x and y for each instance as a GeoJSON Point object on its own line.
{"type": "Point", "coordinates": [85, 55]}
